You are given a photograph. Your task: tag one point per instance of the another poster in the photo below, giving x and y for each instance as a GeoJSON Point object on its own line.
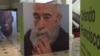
{"type": "Point", "coordinates": [90, 28]}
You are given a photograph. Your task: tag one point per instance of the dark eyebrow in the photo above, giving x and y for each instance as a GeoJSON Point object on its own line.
{"type": "Point", "coordinates": [47, 14]}
{"type": "Point", "coordinates": [35, 13]}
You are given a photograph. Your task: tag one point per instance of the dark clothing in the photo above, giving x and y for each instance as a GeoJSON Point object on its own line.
{"type": "Point", "coordinates": [62, 43]}
{"type": "Point", "coordinates": [6, 33]}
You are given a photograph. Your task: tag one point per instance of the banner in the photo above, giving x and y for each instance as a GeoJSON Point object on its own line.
{"type": "Point", "coordinates": [90, 28]}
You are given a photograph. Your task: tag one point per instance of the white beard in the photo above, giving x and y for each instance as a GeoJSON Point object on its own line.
{"type": "Point", "coordinates": [51, 36]}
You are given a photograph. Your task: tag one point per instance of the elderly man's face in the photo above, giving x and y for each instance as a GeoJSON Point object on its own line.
{"type": "Point", "coordinates": [46, 20]}
{"type": "Point", "coordinates": [6, 20]}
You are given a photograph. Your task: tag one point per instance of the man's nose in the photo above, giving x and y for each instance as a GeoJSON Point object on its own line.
{"type": "Point", "coordinates": [41, 24]}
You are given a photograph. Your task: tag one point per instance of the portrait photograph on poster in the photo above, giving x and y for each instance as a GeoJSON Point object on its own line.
{"type": "Point", "coordinates": [46, 28]}
{"type": "Point", "coordinates": [8, 24]}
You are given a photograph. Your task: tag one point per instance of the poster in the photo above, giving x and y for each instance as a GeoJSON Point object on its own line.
{"type": "Point", "coordinates": [8, 32]}
{"type": "Point", "coordinates": [90, 29]}
{"type": "Point", "coordinates": [45, 28]}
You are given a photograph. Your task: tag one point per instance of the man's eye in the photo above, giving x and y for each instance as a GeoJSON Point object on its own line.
{"type": "Point", "coordinates": [37, 17]}
{"type": "Point", "coordinates": [46, 17]}
{"type": "Point", "coordinates": [3, 16]}
{"type": "Point", "coordinates": [8, 16]}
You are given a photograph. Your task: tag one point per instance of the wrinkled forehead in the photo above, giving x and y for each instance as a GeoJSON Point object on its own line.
{"type": "Point", "coordinates": [45, 7]}
{"type": "Point", "coordinates": [6, 12]}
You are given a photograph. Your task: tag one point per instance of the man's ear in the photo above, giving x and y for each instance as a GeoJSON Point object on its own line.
{"type": "Point", "coordinates": [59, 17]}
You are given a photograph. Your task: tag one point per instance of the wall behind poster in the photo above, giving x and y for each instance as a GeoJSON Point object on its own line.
{"type": "Point", "coordinates": [90, 28]}
{"type": "Point", "coordinates": [28, 16]}
{"type": "Point", "coordinates": [14, 14]}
